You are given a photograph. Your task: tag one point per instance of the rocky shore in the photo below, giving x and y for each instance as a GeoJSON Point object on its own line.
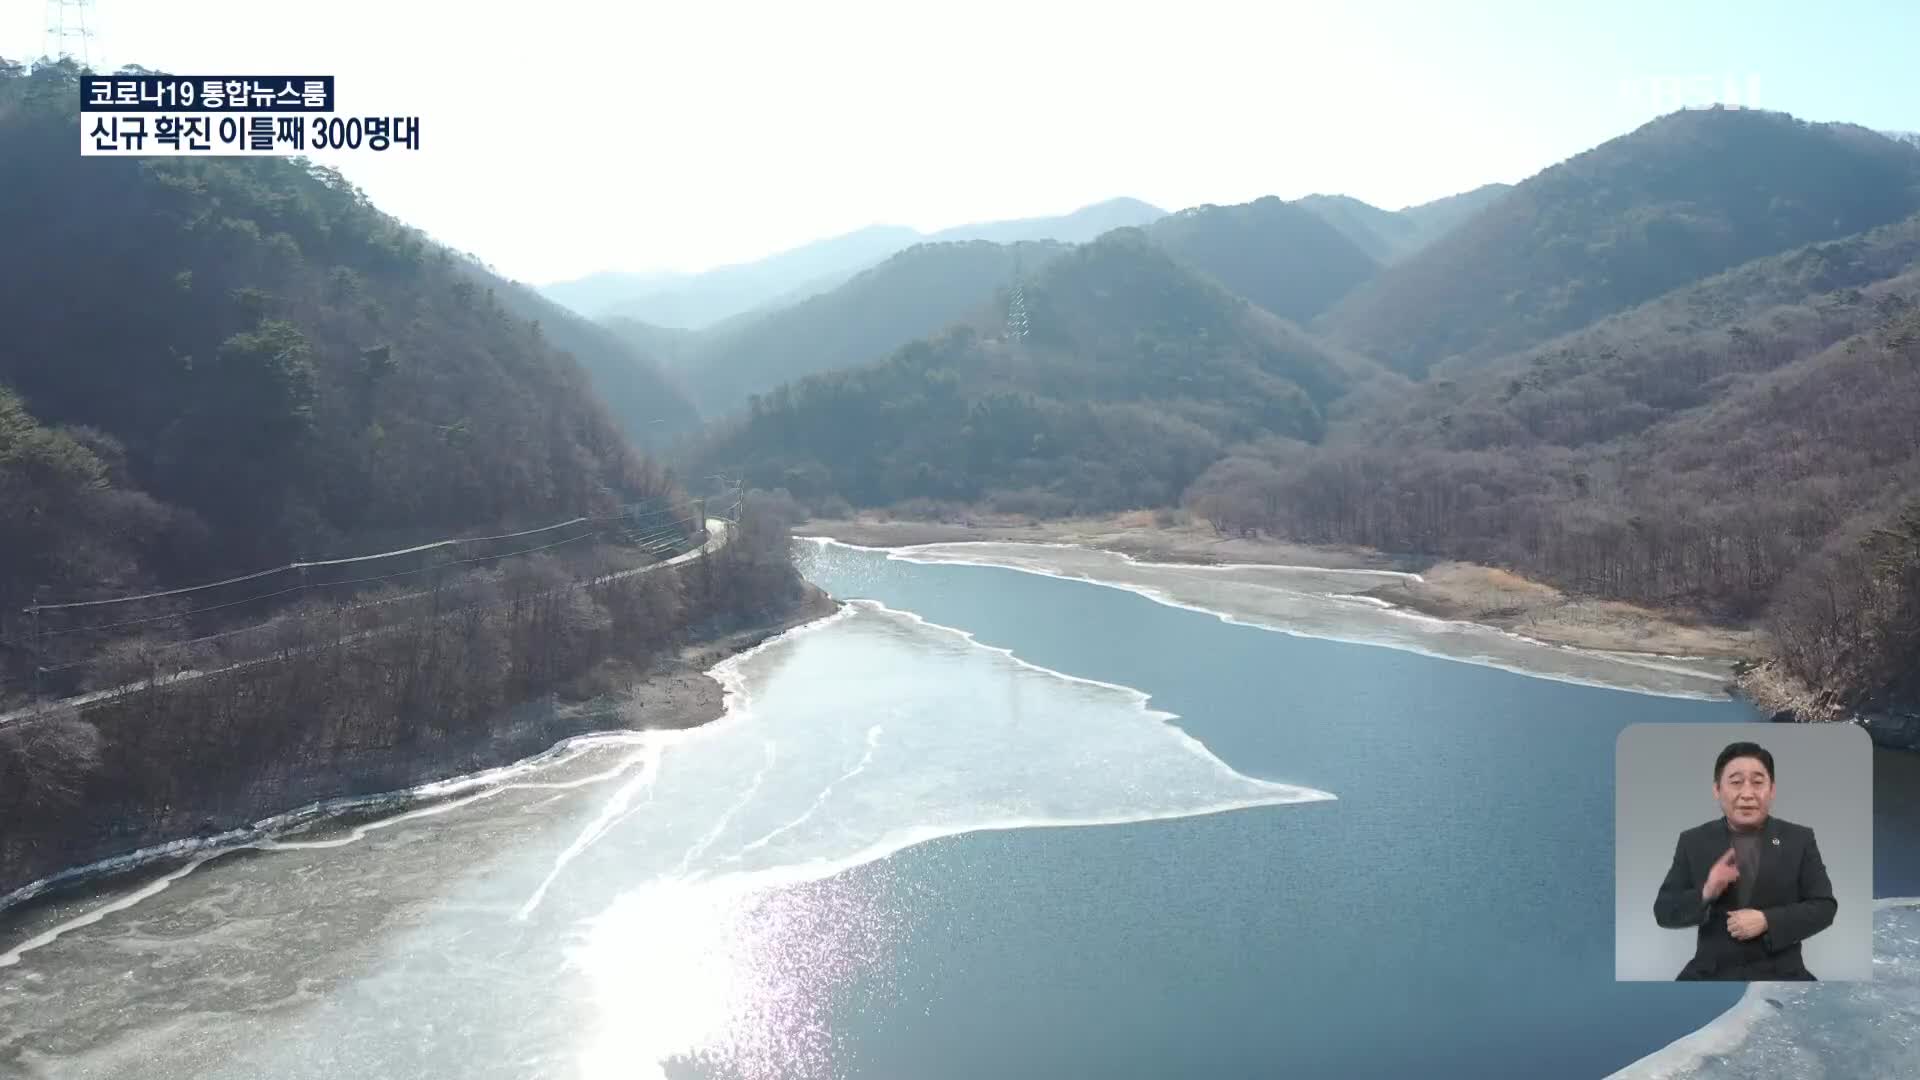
{"type": "Point", "coordinates": [1787, 700]}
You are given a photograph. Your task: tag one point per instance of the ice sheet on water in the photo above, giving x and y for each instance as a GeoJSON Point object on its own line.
{"type": "Point", "coordinates": [842, 746]}
{"type": "Point", "coordinates": [623, 900]}
{"type": "Point", "coordinates": [894, 728]}
{"type": "Point", "coordinates": [1814, 1031]}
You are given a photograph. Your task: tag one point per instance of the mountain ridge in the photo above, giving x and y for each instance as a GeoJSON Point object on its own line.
{"type": "Point", "coordinates": [1282, 256]}
{"type": "Point", "coordinates": [914, 293]}
{"type": "Point", "coordinates": [697, 301]}
{"type": "Point", "coordinates": [1678, 199]}
{"type": "Point", "coordinates": [1134, 372]}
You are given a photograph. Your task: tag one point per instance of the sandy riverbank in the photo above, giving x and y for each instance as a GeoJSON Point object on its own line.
{"type": "Point", "coordinates": [1497, 598]}
{"type": "Point", "coordinates": [1135, 534]}
{"type": "Point", "coordinates": [1448, 590]}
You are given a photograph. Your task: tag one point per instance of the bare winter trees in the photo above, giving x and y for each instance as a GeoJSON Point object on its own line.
{"type": "Point", "coordinates": [341, 701]}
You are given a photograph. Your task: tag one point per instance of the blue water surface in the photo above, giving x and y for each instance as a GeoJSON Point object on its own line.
{"type": "Point", "coordinates": [1449, 916]}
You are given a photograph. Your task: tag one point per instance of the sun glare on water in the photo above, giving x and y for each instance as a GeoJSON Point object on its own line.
{"type": "Point", "coordinates": [726, 977]}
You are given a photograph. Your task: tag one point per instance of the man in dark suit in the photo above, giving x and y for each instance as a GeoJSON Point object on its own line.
{"type": "Point", "coordinates": [1753, 884]}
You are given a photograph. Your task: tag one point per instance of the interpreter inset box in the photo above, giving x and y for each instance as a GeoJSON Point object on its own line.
{"type": "Point", "coordinates": [1743, 852]}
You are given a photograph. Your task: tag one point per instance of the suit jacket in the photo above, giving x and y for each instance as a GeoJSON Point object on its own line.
{"type": "Point", "coordinates": [1790, 888]}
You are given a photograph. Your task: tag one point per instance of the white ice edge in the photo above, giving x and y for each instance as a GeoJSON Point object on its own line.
{"type": "Point", "coordinates": [1728, 1030]}
{"type": "Point", "coordinates": [905, 554]}
{"type": "Point", "coordinates": [1140, 698]}
{"type": "Point", "coordinates": [738, 710]}
{"type": "Point", "coordinates": [314, 811]}
{"type": "Point", "coordinates": [260, 835]}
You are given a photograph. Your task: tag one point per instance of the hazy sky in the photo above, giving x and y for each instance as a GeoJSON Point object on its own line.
{"type": "Point", "coordinates": [569, 136]}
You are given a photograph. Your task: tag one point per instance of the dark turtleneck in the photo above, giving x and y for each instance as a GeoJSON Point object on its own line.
{"type": "Point", "coordinates": [1746, 854]}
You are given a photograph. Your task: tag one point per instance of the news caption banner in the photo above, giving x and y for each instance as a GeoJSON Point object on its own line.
{"type": "Point", "coordinates": [173, 115]}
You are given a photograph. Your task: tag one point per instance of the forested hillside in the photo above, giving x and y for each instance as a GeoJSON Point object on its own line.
{"type": "Point", "coordinates": [216, 365]}
{"type": "Point", "coordinates": [1690, 468]}
{"type": "Point", "coordinates": [1725, 449]}
{"type": "Point", "coordinates": [914, 294]}
{"type": "Point", "coordinates": [1135, 374]}
{"type": "Point", "coordinates": [1441, 216]}
{"type": "Point", "coordinates": [652, 403]}
{"type": "Point", "coordinates": [1684, 197]}
{"type": "Point", "coordinates": [1625, 373]}
{"type": "Point", "coordinates": [1283, 257]}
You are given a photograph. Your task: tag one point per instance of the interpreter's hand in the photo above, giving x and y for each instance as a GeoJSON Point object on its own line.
{"type": "Point", "coordinates": [1724, 873]}
{"type": "Point", "coordinates": [1746, 924]}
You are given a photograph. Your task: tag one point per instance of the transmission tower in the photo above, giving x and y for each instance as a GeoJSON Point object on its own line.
{"type": "Point", "coordinates": [1017, 305]}
{"type": "Point", "coordinates": [67, 33]}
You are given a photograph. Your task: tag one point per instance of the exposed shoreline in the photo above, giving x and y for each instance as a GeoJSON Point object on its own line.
{"type": "Point", "coordinates": [1448, 590]}
{"type": "Point", "coordinates": [1455, 591]}
{"type": "Point", "coordinates": [677, 693]}
{"type": "Point", "coordinates": [1134, 535]}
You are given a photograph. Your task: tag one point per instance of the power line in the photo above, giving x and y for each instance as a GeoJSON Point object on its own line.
{"type": "Point", "coordinates": [417, 548]}
{"type": "Point", "coordinates": [647, 542]}
{"type": "Point", "coordinates": [96, 697]}
{"type": "Point", "coordinates": [315, 585]}
{"type": "Point", "coordinates": [304, 565]}
{"type": "Point", "coordinates": [339, 612]}
{"type": "Point", "coordinates": [650, 516]}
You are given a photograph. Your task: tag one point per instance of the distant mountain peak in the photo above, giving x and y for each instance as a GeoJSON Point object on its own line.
{"type": "Point", "coordinates": [697, 301]}
{"type": "Point", "coordinates": [1282, 256]}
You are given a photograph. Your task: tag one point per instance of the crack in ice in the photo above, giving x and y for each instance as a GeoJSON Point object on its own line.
{"type": "Point", "coordinates": [611, 815]}
{"type": "Point", "coordinates": [873, 742]}
{"type": "Point", "coordinates": [720, 826]}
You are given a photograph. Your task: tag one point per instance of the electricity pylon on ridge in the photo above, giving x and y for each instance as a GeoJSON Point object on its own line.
{"type": "Point", "coordinates": [67, 32]}
{"type": "Point", "coordinates": [1017, 304]}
